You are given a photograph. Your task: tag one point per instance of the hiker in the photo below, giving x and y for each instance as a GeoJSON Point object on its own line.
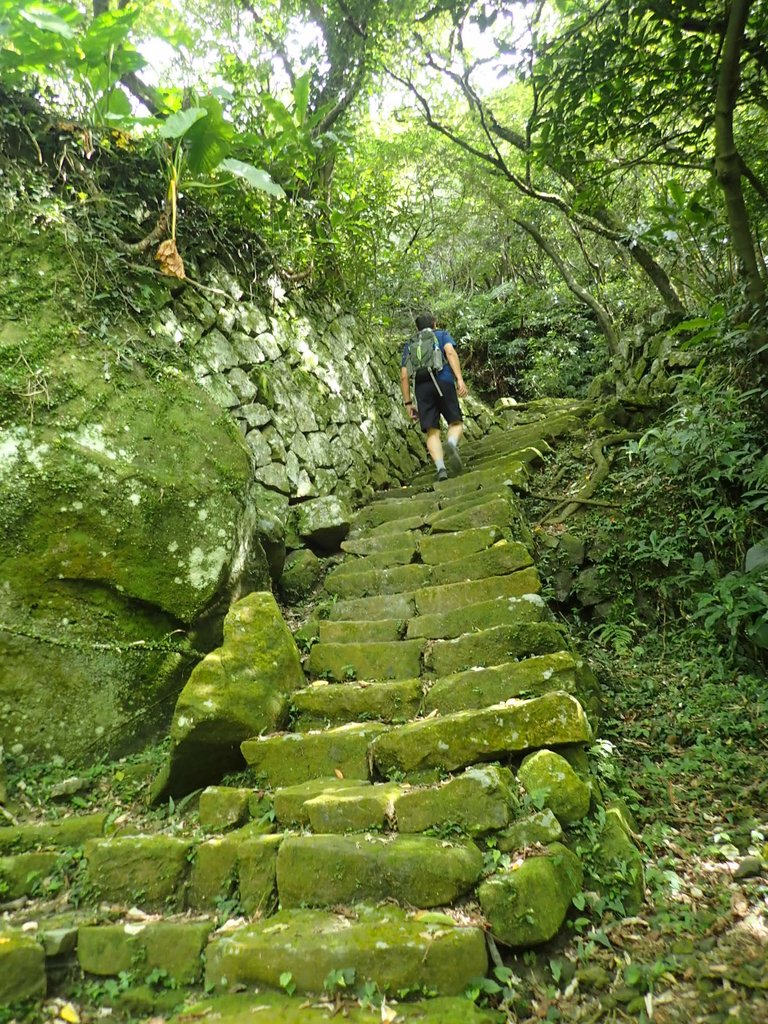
{"type": "Point", "coordinates": [430, 358]}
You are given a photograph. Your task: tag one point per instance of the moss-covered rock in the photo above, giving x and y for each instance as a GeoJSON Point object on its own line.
{"type": "Point", "coordinates": [386, 946]}
{"type": "Point", "coordinates": [388, 606]}
{"type": "Point", "coordinates": [467, 737]}
{"type": "Point", "coordinates": [256, 873]}
{"type": "Point", "coordinates": [418, 871]}
{"type": "Point", "coordinates": [393, 510]}
{"type": "Point", "coordinates": [323, 522]}
{"type": "Point", "coordinates": [145, 871]}
{"type": "Point", "coordinates": [486, 614]}
{"type": "Point", "coordinates": [356, 809]}
{"type": "Point", "coordinates": [321, 704]}
{"type": "Point", "coordinates": [223, 807]}
{"type": "Point", "coordinates": [617, 862]}
{"type": "Point", "coordinates": [504, 557]}
{"type": "Point", "coordinates": [527, 904]}
{"type": "Point", "coordinates": [372, 630]}
{"type": "Point", "coordinates": [290, 801]}
{"type": "Point", "coordinates": [480, 800]}
{"type": "Point", "coordinates": [388, 660]}
{"type": "Point", "coordinates": [549, 778]}
{"type": "Point", "coordinates": [494, 646]}
{"type": "Point", "coordinates": [397, 580]}
{"type": "Point", "coordinates": [302, 572]}
{"type": "Point", "coordinates": [25, 874]}
{"type": "Point", "coordinates": [496, 512]}
{"type": "Point", "coordinates": [539, 828]}
{"type": "Point", "coordinates": [298, 757]}
{"type": "Point", "coordinates": [283, 1009]}
{"type": "Point", "coordinates": [481, 687]}
{"type": "Point", "coordinates": [138, 946]}
{"type": "Point", "coordinates": [237, 691]}
{"type": "Point", "coordinates": [60, 832]}
{"type": "Point", "coordinates": [455, 596]}
{"type": "Point", "coordinates": [447, 547]}
{"type": "Point", "coordinates": [403, 544]}
{"type": "Point", "coordinates": [22, 967]}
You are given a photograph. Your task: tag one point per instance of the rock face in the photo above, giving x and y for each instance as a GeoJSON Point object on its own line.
{"type": "Point", "coordinates": [237, 691]}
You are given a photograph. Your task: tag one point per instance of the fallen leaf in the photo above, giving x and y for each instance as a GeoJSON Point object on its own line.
{"type": "Point", "coordinates": [170, 261]}
{"type": "Point", "coordinates": [69, 1013]}
{"type": "Point", "coordinates": [338, 773]}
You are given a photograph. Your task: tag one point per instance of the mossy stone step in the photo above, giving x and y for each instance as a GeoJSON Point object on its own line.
{"type": "Point", "coordinates": [406, 542]}
{"type": "Point", "coordinates": [223, 807]}
{"type": "Point", "coordinates": [455, 596]}
{"type": "Point", "coordinates": [479, 688]}
{"type": "Point", "coordinates": [240, 865]}
{"type": "Point", "coordinates": [276, 1008]}
{"type": "Point", "coordinates": [394, 509]}
{"type": "Point", "coordinates": [494, 646]}
{"type": "Point", "coordinates": [347, 631]}
{"type": "Point", "coordinates": [290, 802]}
{"type": "Point", "coordinates": [384, 660]}
{"type": "Point", "coordinates": [380, 560]}
{"type": "Point", "coordinates": [144, 870]}
{"type": "Point", "coordinates": [336, 703]}
{"type": "Point", "coordinates": [386, 946]}
{"type": "Point", "coordinates": [495, 511]}
{"type": "Point", "coordinates": [356, 809]}
{"type": "Point", "coordinates": [483, 615]}
{"type": "Point", "coordinates": [447, 547]}
{"type": "Point", "coordinates": [418, 871]}
{"type": "Point", "coordinates": [171, 946]}
{"type": "Point", "coordinates": [394, 526]}
{"type": "Point", "coordinates": [22, 967]}
{"type": "Point", "coordinates": [503, 558]}
{"type": "Point", "coordinates": [59, 833]}
{"type": "Point", "coordinates": [388, 606]}
{"type": "Point", "coordinates": [290, 758]}
{"type": "Point", "coordinates": [26, 874]}
{"type": "Point", "coordinates": [482, 799]}
{"type": "Point", "coordinates": [510, 473]}
{"type": "Point", "coordinates": [468, 737]}
{"type": "Point", "coordinates": [397, 580]}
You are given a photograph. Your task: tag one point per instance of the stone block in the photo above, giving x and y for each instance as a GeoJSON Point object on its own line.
{"type": "Point", "coordinates": [223, 807]}
{"type": "Point", "coordinates": [145, 871]}
{"type": "Point", "coordinates": [24, 874]}
{"type": "Point", "coordinates": [297, 757]}
{"type": "Point", "coordinates": [494, 646]}
{"type": "Point", "coordinates": [357, 809]}
{"type": "Point", "coordinates": [140, 947]}
{"type": "Point", "coordinates": [419, 871]}
{"type": "Point", "coordinates": [455, 596]}
{"type": "Point", "coordinates": [496, 512]}
{"type": "Point", "coordinates": [61, 833]}
{"type": "Point", "coordinates": [323, 522]}
{"type": "Point", "coordinates": [290, 801]}
{"type": "Point", "coordinates": [526, 905]}
{"type": "Point", "coordinates": [480, 800]}
{"type": "Point", "coordinates": [503, 558]}
{"type": "Point", "coordinates": [539, 828]}
{"type": "Point", "coordinates": [302, 572]}
{"type": "Point", "coordinates": [401, 544]}
{"type": "Point", "coordinates": [398, 660]}
{"type": "Point", "coordinates": [345, 631]}
{"type": "Point", "coordinates": [397, 580]}
{"type": "Point", "coordinates": [500, 611]}
{"type": "Point", "coordinates": [256, 870]}
{"type": "Point", "coordinates": [550, 778]}
{"type": "Point", "coordinates": [481, 687]}
{"type": "Point", "coordinates": [396, 701]}
{"type": "Point", "coordinates": [389, 606]}
{"type": "Point", "coordinates": [447, 547]}
{"type": "Point", "coordinates": [386, 946]}
{"type": "Point", "coordinates": [468, 737]}
{"type": "Point", "coordinates": [22, 967]}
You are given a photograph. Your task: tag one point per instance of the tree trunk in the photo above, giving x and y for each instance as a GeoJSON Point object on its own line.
{"type": "Point", "coordinates": [728, 165]}
{"type": "Point", "coordinates": [601, 313]}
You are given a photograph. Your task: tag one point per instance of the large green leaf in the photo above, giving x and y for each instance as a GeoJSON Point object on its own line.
{"type": "Point", "coordinates": [254, 176]}
{"type": "Point", "coordinates": [178, 124]}
{"type": "Point", "coordinates": [208, 139]}
{"type": "Point", "coordinates": [301, 97]}
{"type": "Point", "coordinates": [49, 19]}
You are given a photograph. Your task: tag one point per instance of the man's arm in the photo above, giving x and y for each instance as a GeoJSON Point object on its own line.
{"type": "Point", "coordinates": [405, 387]}
{"type": "Point", "coordinates": [453, 361]}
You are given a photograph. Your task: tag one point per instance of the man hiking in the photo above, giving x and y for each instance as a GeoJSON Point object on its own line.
{"type": "Point", "coordinates": [430, 359]}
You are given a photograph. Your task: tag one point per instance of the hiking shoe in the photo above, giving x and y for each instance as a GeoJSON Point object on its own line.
{"type": "Point", "coordinates": [453, 459]}
{"type": "Point", "coordinates": [442, 474]}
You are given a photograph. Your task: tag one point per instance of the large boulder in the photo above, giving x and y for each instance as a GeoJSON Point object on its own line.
{"type": "Point", "coordinates": [323, 523]}
{"type": "Point", "coordinates": [238, 691]}
{"type": "Point", "coordinates": [122, 506]}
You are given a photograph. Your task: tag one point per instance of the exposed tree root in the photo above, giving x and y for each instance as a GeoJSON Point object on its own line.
{"type": "Point", "coordinates": [571, 504]}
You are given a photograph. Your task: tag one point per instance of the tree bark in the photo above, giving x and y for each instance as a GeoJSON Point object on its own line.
{"type": "Point", "coordinates": [728, 164]}
{"type": "Point", "coordinates": [601, 313]}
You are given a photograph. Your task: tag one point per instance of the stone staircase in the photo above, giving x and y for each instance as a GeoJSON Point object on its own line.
{"type": "Point", "coordinates": [417, 803]}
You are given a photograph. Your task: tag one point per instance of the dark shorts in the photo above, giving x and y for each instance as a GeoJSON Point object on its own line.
{"type": "Point", "coordinates": [431, 405]}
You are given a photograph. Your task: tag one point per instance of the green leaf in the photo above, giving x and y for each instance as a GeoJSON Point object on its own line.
{"type": "Point", "coordinates": [757, 556]}
{"type": "Point", "coordinates": [178, 124]}
{"type": "Point", "coordinates": [43, 17]}
{"type": "Point", "coordinates": [301, 98]}
{"type": "Point", "coordinates": [254, 176]}
{"type": "Point", "coordinates": [208, 140]}
{"type": "Point", "coordinates": [277, 111]}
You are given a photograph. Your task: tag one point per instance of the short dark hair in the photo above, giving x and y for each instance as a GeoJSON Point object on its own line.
{"type": "Point", "coordinates": [425, 319]}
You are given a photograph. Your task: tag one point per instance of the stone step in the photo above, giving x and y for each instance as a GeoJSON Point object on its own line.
{"type": "Point", "coordinates": [504, 557]}
{"type": "Point", "coordinates": [390, 948]}
{"type": "Point", "coordinates": [397, 580]}
{"type": "Point", "coordinates": [58, 834]}
{"type": "Point", "coordinates": [390, 606]}
{"type": "Point", "coordinates": [378, 660]}
{"type": "Point", "coordinates": [510, 473]}
{"type": "Point", "coordinates": [406, 541]}
{"type": "Point", "coordinates": [483, 615]}
{"type": "Point", "coordinates": [392, 527]}
{"type": "Point", "coordinates": [482, 687]}
{"type": "Point", "coordinates": [494, 646]}
{"type": "Point", "coordinates": [277, 1008]}
{"type": "Point", "coordinates": [381, 560]}
{"type": "Point", "coordinates": [455, 596]}
{"type": "Point", "coordinates": [447, 547]}
{"type": "Point", "coordinates": [414, 870]}
{"type": "Point", "coordinates": [494, 511]}
{"type": "Point", "coordinates": [287, 759]}
{"type": "Point", "coordinates": [395, 509]}
{"type": "Point", "coordinates": [174, 947]}
{"type": "Point", "coordinates": [290, 802]}
{"type": "Point", "coordinates": [347, 631]}
{"type": "Point", "coordinates": [468, 737]}
{"type": "Point", "coordinates": [319, 705]}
